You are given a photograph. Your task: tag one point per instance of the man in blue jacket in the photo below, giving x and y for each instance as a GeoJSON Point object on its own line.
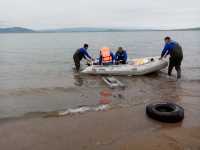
{"type": "Point", "coordinates": [120, 56]}
{"type": "Point", "coordinates": [79, 54]}
{"type": "Point", "coordinates": [173, 49]}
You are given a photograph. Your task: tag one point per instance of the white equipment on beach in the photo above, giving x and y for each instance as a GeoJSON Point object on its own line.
{"type": "Point", "coordinates": [112, 82]}
{"type": "Point", "coordinates": [139, 66]}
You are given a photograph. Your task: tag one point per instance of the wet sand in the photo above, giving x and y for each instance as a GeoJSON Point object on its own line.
{"type": "Point", "coordinates": [115, 129]}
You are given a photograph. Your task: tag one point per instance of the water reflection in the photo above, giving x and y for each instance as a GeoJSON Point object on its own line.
{"type": "Point", "coordinates": [78, 79]}
{"type": "Point", "coordinates": [105, 96]}
{"type": "Point", "coordinates": [170, 90]}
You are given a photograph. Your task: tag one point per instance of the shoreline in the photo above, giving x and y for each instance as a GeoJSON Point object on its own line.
{"type": "Point", "coordinates": [120, 128]}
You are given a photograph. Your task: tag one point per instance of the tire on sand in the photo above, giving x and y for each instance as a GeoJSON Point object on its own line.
{"type": "Point", "coordinates": [165, 112]}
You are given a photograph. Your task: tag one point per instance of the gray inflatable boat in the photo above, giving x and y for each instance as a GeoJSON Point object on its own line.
{"type": "Point", "coordinates": [140, 66]}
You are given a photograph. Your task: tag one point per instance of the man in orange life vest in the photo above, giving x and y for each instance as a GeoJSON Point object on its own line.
{"type": "Point", "coordinates": [106, 56]}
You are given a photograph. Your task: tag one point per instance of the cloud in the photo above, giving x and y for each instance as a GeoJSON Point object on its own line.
{"type": "Point", "coordinates": [3, 23]}
{"type": "Point", "coordinates": [100, 13]}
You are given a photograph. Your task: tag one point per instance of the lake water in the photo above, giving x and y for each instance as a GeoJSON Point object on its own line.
{"type": "Point", "coordinates": [36, 70]}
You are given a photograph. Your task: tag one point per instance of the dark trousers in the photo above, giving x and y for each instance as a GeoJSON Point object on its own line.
{"type": "Point", "coordinates": [177, 64]}
{"type": "Point", "coordinates": [77, 62]}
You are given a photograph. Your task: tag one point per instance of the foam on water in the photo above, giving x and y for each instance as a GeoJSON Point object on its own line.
{"type": "Point", "coordinates": [83, 109]}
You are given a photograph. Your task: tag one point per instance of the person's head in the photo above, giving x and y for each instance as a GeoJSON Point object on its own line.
{"type": "Point", "coordinates": [85, 46]}
{"type": "Point", "coordinates": [120, 49]}
{"type": "Point", "coordinates": [167, 39]}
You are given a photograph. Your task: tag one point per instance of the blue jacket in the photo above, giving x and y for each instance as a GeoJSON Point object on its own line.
{"type": "Point", "coordinates": [113, 58]}
{"type": "Point", "coordinates": [121, 56]}
{"type": "Point", "coordinates": [84, 52]}
{"type": "Point", "coordinates": [168, 48]}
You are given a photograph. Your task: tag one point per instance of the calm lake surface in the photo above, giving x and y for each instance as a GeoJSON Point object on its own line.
{"type": "Point", "coordinates": [36, 71]}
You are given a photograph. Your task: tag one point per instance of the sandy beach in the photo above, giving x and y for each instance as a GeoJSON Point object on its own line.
{"type": "Point", "coordinates": [114, 129]}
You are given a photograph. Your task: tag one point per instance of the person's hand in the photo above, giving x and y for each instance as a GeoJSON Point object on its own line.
{"type": "Point", "coordinates": [165, 56]}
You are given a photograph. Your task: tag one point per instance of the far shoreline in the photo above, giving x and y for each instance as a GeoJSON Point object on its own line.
{"type": "Point", "coordinates": [87, 30]}
{"type": "Point", "coordinates": [99, 32]}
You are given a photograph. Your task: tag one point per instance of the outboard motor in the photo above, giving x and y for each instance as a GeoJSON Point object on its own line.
{"type": "Point", "coordinates": [152, 59]}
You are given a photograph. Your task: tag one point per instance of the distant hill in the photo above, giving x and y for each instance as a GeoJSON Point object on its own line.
{"type": "Point", "coordinates": [16, 30]}
{"type": "Point", "coordinates": [83, 29]}
{"type": "Point", "coordinates": [187, 29]}
{"type": "Point", "coordinates": [88, 29]}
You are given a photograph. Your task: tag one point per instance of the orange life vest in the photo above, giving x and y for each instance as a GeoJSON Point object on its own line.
{"type": "Point", "coordinates": [105, 53]}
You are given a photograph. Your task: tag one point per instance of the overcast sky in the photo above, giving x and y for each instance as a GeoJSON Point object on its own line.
{"type": "Point", "coordinates": [42, 14]}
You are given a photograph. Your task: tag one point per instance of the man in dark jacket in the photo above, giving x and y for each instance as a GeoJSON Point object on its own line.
{"type": "Point", "coordinates": [79, 54]}
{"type": "Point", "coordinates": [173, 49]}
{"type": "Point", "coordinates": [120, 56]}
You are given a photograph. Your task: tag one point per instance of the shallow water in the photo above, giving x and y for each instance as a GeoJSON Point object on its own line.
{"type": "Point", "coordinates": [36, 72]}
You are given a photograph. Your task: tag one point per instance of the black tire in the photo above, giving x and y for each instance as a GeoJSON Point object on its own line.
{"type": "Point", "coordinates": [165, 112]}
